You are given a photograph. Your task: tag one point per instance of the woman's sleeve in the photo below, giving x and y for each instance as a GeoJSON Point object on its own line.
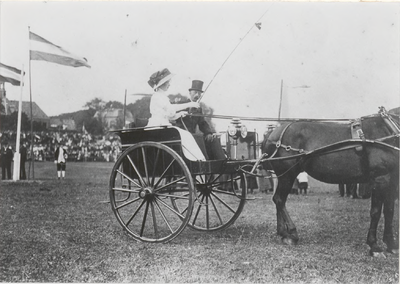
{"type": "Point", "coordinates": [162, 105]}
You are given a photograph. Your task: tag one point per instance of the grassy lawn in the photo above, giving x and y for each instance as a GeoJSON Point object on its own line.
{"type": "Point", "coordinates": [64, 231]}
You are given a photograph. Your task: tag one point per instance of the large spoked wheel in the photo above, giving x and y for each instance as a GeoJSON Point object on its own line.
{"type": "Point", "coordinates": [146, 179]}
{"type": "Point", "coordinates": [220, 199]}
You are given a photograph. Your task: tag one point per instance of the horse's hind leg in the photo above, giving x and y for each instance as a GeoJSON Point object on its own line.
{"type": "Point", "coordinates": [388, 211]}
{"type": "Point", "coordinates": [285, 226]}
{"type": "Point", "coordinates": [376, 210]}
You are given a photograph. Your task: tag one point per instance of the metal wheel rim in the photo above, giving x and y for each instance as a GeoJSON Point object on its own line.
{"type": "Point", "coordinates": [141, 200]}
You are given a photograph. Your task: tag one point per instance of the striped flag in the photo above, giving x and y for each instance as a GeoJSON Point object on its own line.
{"type": "Point", "coordinates": [42, 49]}
{"type": "Point", "coordinates": [10, 74]}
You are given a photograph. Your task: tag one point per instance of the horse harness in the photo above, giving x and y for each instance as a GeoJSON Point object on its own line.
{"type": "Point", "coordinates": [357, 134]}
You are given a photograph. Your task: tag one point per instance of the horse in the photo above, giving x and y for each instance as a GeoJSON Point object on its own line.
{"type": "Point", "coordinates": [328, 152]}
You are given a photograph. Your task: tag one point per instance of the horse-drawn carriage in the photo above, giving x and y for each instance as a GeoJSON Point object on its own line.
{"type": "Point", "coordinates": [159, 185]}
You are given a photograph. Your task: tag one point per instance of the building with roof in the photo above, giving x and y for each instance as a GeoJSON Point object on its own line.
{"type": "Point", "coordinates": [38, 114]}
{"type": "Point", "coordinates": [113, 118]}
{"type": "Point", "coordinates": [63, 123]}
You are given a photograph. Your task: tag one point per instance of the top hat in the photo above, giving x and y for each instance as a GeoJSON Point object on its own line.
{"type": "Point", "coordinates": [197, 85]}
{"type": "Point", "coordinates": [160, 77]}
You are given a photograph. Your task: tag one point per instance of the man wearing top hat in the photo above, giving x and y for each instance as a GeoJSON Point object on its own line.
{"type": "Point", "coordinates": [190, 123]}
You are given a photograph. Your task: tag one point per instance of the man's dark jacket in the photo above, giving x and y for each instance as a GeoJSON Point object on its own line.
{"type": "Point", "coordinates": [6, 156]}
{"type": "Point", "coordinates": [192, 121]}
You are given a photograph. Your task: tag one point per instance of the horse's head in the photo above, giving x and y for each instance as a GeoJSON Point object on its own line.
{"type": "Point", "coordinates": [270, 138]}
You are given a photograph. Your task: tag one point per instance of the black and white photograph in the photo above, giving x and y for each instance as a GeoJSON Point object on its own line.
{"type": "Point", "coordinates": [199, 141]}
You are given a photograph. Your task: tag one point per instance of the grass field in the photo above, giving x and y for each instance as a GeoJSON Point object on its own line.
{"type": "Point", "coordinates": [64, 231]}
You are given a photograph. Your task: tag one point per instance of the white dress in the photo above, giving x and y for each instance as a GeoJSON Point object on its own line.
{"type": "Point", "coordinates": [161, 110]}
{"type": "Point", "coordinates": [161, 113]}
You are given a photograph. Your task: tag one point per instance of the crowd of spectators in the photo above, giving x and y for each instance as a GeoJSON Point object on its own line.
{"type": "Point", "coordinates": [79, 146]}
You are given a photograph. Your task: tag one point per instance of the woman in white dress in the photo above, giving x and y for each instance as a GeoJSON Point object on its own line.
{"type": "Point", "coordinates": [162, 112]}
{"type": "Point", "coordinates": [161, 109]}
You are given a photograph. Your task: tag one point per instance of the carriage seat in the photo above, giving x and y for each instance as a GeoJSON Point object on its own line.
{"type": "Point", "coordinates": [168, 135]}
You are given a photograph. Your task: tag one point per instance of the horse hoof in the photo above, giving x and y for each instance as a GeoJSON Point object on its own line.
{"type": "Point", "coordinates": [289, 241]}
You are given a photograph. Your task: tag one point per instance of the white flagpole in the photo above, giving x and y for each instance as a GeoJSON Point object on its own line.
{"type": "Point", "coordinates": [17, 155]}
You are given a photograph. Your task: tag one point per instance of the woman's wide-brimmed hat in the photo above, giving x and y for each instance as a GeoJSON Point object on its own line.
{"type": "Point", "coordinates": [197, 85]}
{"type": "Point", "coordinates": [160, 77]}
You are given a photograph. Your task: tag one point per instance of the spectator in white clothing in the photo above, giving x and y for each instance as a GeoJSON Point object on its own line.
{"type": "Point", "coordinates": [60, 159]}
{"type": "Point", "coordinates": [303, 182]}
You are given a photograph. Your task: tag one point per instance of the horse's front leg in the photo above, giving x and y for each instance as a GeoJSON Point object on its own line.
{"type": "Point", "coordinates": [375, 213]}
{"type": "Point", "coordinates": [389, 238]}
{"type": "Point", "coordinates": [285, 226]}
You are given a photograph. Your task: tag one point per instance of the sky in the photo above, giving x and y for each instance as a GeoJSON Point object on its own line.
{"type": "Point", "coordinates": [326, 60]}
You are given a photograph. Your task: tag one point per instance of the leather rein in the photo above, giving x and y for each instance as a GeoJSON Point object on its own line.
{"type": "Point", "coordinates": [342, 145]}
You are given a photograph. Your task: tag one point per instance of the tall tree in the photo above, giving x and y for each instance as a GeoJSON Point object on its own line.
{"type": "Point", "coordinates": [9, 122]}
{"type": "Point", "coordinates": [96, 104]}
{"type": "Point", "coordinates": [114, 104]}
{"type": "Point", "coordinates": [140, 108]}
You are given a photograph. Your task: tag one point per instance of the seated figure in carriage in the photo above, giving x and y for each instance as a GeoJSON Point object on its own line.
{"type": "Point", "coordinates": [163, 113]}
{"type": "Point", "coordinates": [210, 145]}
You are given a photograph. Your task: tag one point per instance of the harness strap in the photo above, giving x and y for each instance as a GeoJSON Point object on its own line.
{"type": "Point", "coordinates": [288, 148]}
{"type": "Point", "coordinates": [356, 129]}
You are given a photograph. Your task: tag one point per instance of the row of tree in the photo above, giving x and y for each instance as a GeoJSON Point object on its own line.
{"type": "Point", "coordinates": [86, 117]}
{"type": "Point", "coordinates": [10, 122]}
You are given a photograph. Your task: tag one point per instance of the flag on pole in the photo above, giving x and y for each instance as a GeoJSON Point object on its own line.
{"type": "Point", "coordinates": [42, 49]}
{"type": "Point", "coordinates": [10, 74]}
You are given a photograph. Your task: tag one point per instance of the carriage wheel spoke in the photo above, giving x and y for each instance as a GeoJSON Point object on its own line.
{"type": "Point", "coordinates": [198, 210]}
{"type": "Point", "coordinates": [170, 208]}
{"type": "Point", "coordinates": [144, 219]}
{"type": "Point", "coordinates": [216, 210]}
{"type": "Point", "coordinates": [173, 196]}
{"type": "Point", "coordinates": [207, 214]}
{"type": "Point", "coordinates": [164, 217]}
{"type": "Point", "coordinates": [155, 167]}
{"type": "Point", "coordinates": [224, 192]}
{"type": "Point", "coordinates": [125, 190]}
{"type": "Point", "coordinates": [136, 170]}
{"type": "Point", "coordinates": [145, 165]}
{"type": "Point", "coordinates": [183, 196]}
{"type": "Point", "coordinates": [199, 179]}
{"type": "Point", "coordinates": [134, 214]}
{"type": "Point", "coordinates": [153, 213]}
{"type": "Point", "coordinates": [215, 179]}
{"type": "Point", "coordinates": [163, 174]}
{"type": "Point", "coordinates": [223, 202]}
{"type": "Point", "coordinates": [169, 184]}
{"type": "Point", "coordinates": [129, 178]}
{"type": "Point", "coordinates": [127, 203]}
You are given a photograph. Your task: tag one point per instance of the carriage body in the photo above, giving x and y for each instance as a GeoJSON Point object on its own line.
{"type": "Point", "coordinates": [169, 136]}
{"type": "Point", "coordinates": [158, 187]}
